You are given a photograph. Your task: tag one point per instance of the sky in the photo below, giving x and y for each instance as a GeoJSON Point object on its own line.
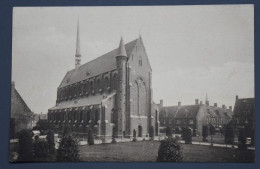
{"type": "Point", "coordinates": [193, 50]}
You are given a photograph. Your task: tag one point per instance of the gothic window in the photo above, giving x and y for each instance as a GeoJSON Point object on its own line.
{"type": "Point", "coordinates": [112, 116]}
{"type": "Point", "coordinates": [114, 82]}
{"type": "Point", "coordinates": [139, 101]}
{"type": "Point", "coordinates": [96, 116]}
{"type": "Point", "coordinates": [107, 83]}
{"type": "Point", "coordinates": [98, 85]}
{"type": "Point", "coordinates": [91, 86]}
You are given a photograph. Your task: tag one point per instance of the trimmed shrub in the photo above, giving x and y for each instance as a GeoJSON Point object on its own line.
{"type": "Point", "coordinates": [90, 137]}
{"type": "Point", "coordinates": [205, 131]}
{"type": "Point", "coordinates": [242, 139]}
{"type": "Point", "coordinates": [50, 141]}
{"type": "Point", "coordinates": [229, 134]}
{"type": "Point", "coordinates": [40, 148]}
{"type": "Point", "coordinates": [151, 132]}
{"type": "Point", "coordinates": [168, 132]}
{"type": "Point", "coordinates": [170, 151]}
{"type": "Point", "coordinates": [187, 135]}
{"type": "Point", "coordinates": [68, 150]}
{"type": "Point", "coordinates": [25, 150]}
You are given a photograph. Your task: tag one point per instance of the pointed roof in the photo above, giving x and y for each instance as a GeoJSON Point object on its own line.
{"type": "Point", "coordinates": [121, 49]}
{"type": "Point", "coordinates": [78, 41]}
{"type": "Point", "coordinates": [102, 64]}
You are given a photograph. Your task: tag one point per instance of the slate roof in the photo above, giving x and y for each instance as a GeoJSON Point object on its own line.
{"type": "Point", "coordinates": [102, 64]}
{"type": "Point", "coordinates": [218, 112]}
{"type": "Point", "coordinates": [189, 111]}
{"type": "Point", "coordinates": [87, 101]}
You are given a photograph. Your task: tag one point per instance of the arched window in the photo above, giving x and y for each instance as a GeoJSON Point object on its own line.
{"type": "Point", "coordinates": [139, 98]}
{"type": "Point", "coordinates": [112, 116]}
{"type": "Point", "coordinates": [91, 86]}
{"type": "Point", "coordinates": [114, 82]}
{"type": "Point", "coordinates": [88, 115]}
{"type": "Point", "coordinates": [96, 117]}
{"type": "Point", "coordinates": [98, 86]}
{"type": "Point", "coordinates": [107, 83]}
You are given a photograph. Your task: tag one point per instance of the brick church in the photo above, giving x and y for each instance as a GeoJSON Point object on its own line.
{"type": "Point", "coordinates": [111, 91]}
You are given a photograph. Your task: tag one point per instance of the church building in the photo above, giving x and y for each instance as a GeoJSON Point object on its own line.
{"type": "Point", "coordinates": [111, 91]}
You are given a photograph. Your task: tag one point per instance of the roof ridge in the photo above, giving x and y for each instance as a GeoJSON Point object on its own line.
{"type": "Point", "coordinates": [103, 55]}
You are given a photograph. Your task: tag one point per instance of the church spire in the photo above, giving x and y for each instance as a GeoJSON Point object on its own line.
{"type": "Point", "coordinates": [77, 55]}
{"type": "Point", "coordinates": [121, 49]}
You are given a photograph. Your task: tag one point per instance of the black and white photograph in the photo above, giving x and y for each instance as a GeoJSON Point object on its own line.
{"type": "Point", "coordinates": [133, 84]}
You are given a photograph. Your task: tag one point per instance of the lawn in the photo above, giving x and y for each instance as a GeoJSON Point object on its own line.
{"type": "Point", "coordinates": [147, 151]}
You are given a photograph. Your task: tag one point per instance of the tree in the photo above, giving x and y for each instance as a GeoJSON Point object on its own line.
{"type": "Point", "coordinates": [90, 137]}
{"type": "Point", "coordinates": [229, 134]}
{"type": "Point", "coordinates": [168, 132]}
{"type": "Point", "coordinates": [66, 131]}
{"type": "Point", "coordinates": [170, 151]}
{"type": "Point", "coordinates": [205, 132]}
{"type": "Point", "coordinates": [187, 135]}
{"type": "Point", "coordinates": [50, 141]}
{"type": "Point", "coordinates": [134, 135]}
{"type": "Point", "coordinates": [68, 149]}
{"type": "Point", "coordinates": [242, 139]}
{"type": "Point", "coordinates": [25, 150]}
{"type": "Point", "coordinates": [43, 126]}
{"type": "Point", "coordinates": [151, 132]}
{"type": "Point", "coordinates": [40, 148]}
{"type": "Point", "coordinates": [212, 132]}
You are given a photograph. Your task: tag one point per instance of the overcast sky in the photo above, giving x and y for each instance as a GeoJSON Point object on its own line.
{"type": "Point", "coordinates": [193, 50]}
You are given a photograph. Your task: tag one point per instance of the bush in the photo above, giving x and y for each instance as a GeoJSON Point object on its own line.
{"type": "Point", "coordinates": [169, 151]}
{"type": "Point", "coordinates": [40, 148]}
{"type": "Point", "coordinates": [50, 141]}
{"type": "Point", "coordinates": [187, 135]}
{"type": "Point", "coordinates": [205, 132]}
{"type": "Point", "coordinates": [25, 150]}
{"type": "Point", "coordinates": [134, 136]}
{"type": "Point", "coordinates": [168, 132]}
{"type": "Point", "coordinates": [68, 150]}
{"type": "Point", "coordinates": [90, 137]}
{"type": "Point", "coordinates": [151, 132]}
{"type": "Point", "coordinates": [229, 134]}
{"type": "Point", "coordinates": [242, 139]}
{"type": "Point", "coordinates": [66, 131]}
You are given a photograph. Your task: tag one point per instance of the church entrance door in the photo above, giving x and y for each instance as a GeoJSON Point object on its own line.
{"type": "Point", "coordinates": [140, 131]}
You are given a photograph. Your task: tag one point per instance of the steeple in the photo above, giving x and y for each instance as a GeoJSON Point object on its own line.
{"type": "Point", "coordinates": [121, 49]}
{"type": "Point", "coordinates": [77, 55]}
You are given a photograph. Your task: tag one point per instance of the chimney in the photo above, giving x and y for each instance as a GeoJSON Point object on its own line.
{"type": "Point", "coordinates": [207, 103]}
{"type": "Point", "coordinates": [236, 97]}
{"type": "Point", "coordinates": [201, 102]}
{"type": "Point", "coordinates": [161, 103]}
{"type": "Point", "coordinates": [223, 106]}
{"type": "Point", "coordinates": [215, 104]}
{"type": "Point", "coordinates": [230, 108]}
{"type": "Point", "coordinates": [179, 103]}
{"type": "Point", "coordinates": [196, 101]}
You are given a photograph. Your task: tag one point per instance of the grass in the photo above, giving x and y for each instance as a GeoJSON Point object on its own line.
{"type": "Point", "coordinates": [147, 151]}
